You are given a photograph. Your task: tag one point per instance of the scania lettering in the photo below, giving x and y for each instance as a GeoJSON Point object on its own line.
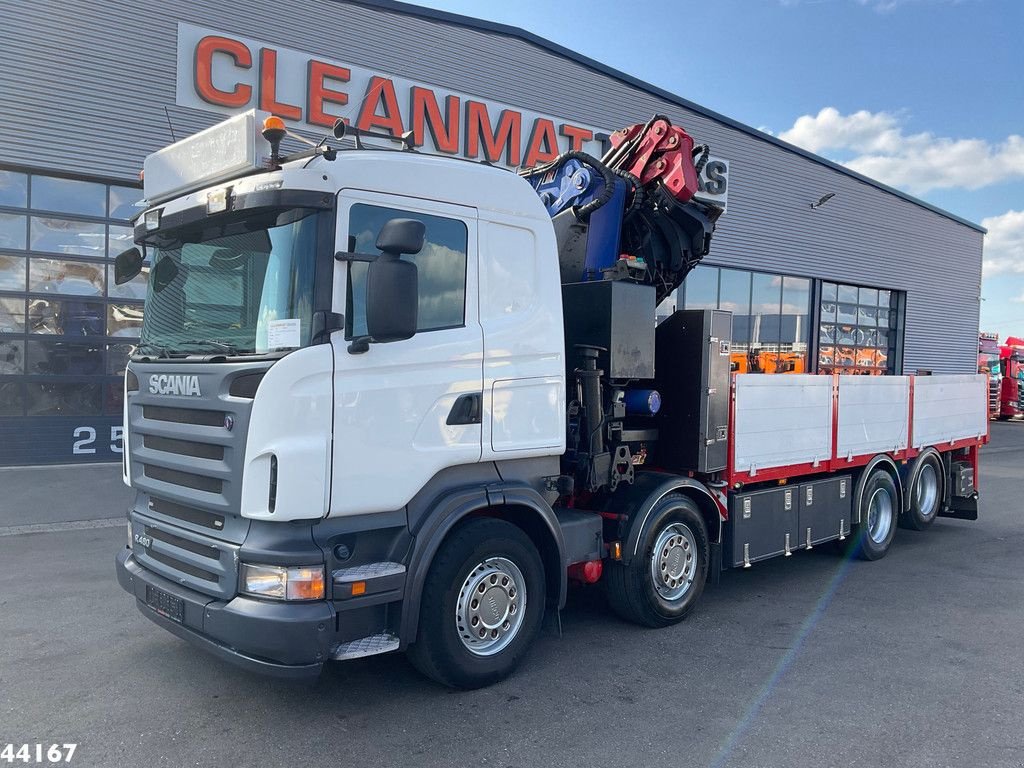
{"type": "Point", "coordinates": [164, 384]}
{"type": "Point", "coordinates": [398, 402]}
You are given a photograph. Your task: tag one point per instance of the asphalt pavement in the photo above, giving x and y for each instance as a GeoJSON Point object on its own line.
{"type": "Point", "coordinates": [914, 660]}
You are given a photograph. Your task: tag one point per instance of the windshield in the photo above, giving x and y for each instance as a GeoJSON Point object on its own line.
{"type": "Point", "coordinates": [988, 363]}
{"type": "Point", "coordinates": [240, 283]}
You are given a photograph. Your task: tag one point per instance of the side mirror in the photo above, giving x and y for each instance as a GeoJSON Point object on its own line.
{"type": "Point", "coordinates": [400, 236]}
{"type": "Point", "coordinates": [392, 298]}
{"type": "Point", "coordinates": [127, 265]}
{"type": "Point", "coordinates": [164, 273]}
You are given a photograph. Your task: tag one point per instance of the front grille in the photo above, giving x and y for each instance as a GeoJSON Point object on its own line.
{"type": "Point", "coordinates": [185, 479]}
{"type": "Point", "coordinates": [178, 565]}
{"type": "Point", "coordinates": [186, 514]}
{"type": "Point", "coordinates": [195, 547]}
{"type": "Point", "coordinates": [192, 559]}
{"type": "Point", "coordinates": [183, 415]}
{"type": "Point", "coordinates": [184, 447]}
{"type": "Point", "coordinates": [186, 455]}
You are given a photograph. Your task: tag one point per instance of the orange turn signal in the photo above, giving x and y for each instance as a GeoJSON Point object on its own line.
{"type": "Point", "coordinates": [358, 588]}
{"type": "Point", "coordinates": [305, 583]}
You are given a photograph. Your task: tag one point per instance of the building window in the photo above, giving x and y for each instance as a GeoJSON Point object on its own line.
{"type": "Point", "coordinates": [65, 328]}
{"type": "Point", "coordinates": [859, 329]}
{"type": "Point", "coordinates": [771, 315]}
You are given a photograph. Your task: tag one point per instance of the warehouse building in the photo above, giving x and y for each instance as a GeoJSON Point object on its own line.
{"type": "Point", "coordinates": [870, 281]}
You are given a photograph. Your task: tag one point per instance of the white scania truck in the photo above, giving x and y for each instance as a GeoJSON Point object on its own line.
{"type": "Point", "coordinates": [388, 401]}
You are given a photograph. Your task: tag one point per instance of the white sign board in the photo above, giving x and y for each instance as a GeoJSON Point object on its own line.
{"type": "Point", "coordinates": [229, 73]}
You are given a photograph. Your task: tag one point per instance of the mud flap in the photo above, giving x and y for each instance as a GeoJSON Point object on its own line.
{"type": "Point", "coordinates": [962, 507]}
{"type": "Point", "coordinates": [715, 566]}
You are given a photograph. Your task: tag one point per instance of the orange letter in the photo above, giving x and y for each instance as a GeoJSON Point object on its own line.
{"type": "Point", "coordinates": [381, 91]}
{"type": "Point", "coordinates": [202, 71]}
{"type": "Point", "coordinates": [478, 128]}
{"type": "Point", "coordinates": [319, 93]}
{"type": "Point", "coordinates": [543, 144]}
{"type": "Point", "coordinates": [444, 133]}
{"type": "Point", "coordinates": [576, 136]}
{"type": "Point", "coordinates": [268, 88]}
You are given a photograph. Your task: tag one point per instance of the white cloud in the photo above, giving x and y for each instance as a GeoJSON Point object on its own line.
{"type": "Point", "coordinates": [885, 6]}
{"type": "Point", "coordinates": [881, 6]}
{"type": "Point", "coordinates": [1004, 244]}
{"type": "Point", "coordinates": [917, 162]}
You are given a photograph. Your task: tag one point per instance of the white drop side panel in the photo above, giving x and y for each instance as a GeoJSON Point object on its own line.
{"type": "Point", "coordinates": [874, 415]}
{"type": "Point", "coordinates": [781, 420]}
{"type": "Point", "coordinates": [948, 408]}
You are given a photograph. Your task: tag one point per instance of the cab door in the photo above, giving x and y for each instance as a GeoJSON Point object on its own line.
{"type": "Point", "coordinates": [405, 410]}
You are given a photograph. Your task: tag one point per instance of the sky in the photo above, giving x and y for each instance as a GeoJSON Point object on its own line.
{"type": "Point", "coordinates": [924, 95]}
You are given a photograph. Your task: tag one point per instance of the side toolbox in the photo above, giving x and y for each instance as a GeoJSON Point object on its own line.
{"type": "Point", "coordinates": [825, 510]}
{"type": "Point", "coordinates": [762, 524]}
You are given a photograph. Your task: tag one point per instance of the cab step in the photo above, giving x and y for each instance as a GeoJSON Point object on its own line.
{"type": "Point", "coordinates": [385, 642]}
{"type": "Point", "coordinates": [383, 581]}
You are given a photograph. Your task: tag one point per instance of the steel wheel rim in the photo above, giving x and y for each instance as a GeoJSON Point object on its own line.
{"type": "Point", "coordinates": [927, 491]}
{"type": "Point", "coordinates": [674, 562]}
{"type": "Point", "coordinates": [491, 605]}
{"type": "Point", "coordinates": [879, 515]}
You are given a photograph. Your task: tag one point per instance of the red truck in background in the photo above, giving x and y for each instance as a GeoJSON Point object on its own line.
{"type": "Point", "coordinates": [990, 363]}
{"type": "Point", "coordinates": [1011, 387]}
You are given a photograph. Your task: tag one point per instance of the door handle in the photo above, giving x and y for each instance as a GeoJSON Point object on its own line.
{"type": "Point", "coordinates": [466, 410]}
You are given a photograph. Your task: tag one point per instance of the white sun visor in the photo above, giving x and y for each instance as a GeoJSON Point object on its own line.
{"type": "Point", "coordinates": [223, 151]}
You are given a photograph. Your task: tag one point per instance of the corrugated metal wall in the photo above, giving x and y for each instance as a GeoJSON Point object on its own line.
{"type": "Point", "coordinates": [84, 85]}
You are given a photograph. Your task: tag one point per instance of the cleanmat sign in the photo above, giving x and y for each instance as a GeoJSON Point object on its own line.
{"type": "Point", "coordinates": [229, 73]}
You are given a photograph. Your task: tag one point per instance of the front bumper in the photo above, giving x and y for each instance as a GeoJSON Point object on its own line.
{"type": "Point", "coordinates": [291, 640]}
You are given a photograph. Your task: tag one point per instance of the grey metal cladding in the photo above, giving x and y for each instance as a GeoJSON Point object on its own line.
{"type": "Point", "coordinates": [87, 95]}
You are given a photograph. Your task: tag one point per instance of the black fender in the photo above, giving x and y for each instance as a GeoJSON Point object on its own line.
{"type": "Point", "coordinates": [503, 500]}
{"type": "Point", "coordinates": [915, 468]}
{"type": "Point", "coordinates": [881, 460]}
{"type": "Point", "coordinates": [637, 500]}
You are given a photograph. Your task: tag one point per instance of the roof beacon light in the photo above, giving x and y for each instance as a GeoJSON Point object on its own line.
{"type": "Point", "coordinates": [274, 132]}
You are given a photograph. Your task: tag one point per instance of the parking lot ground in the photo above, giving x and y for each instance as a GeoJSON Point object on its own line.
{"type": "Point", "coordinates": [914, 660]}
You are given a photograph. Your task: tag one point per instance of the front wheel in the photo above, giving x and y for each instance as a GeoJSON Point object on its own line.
{"type": "Point", "coordinates": [664, 580]}
{"type": "Point", "coordinates": [482, 605]}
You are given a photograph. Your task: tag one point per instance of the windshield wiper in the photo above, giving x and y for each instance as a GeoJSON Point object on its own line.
{"type": "Point", "coordinates": [224, 346]}
{"type": "Point", "coordinates": [148, 348]}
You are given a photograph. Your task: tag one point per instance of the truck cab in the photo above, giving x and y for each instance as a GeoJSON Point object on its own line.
{"type": "Point", "coordinates": [259, 395]}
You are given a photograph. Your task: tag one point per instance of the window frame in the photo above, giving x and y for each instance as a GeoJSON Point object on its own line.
{"type": "Point", "coordinates": [20, 383]}
{"type": "Point", "coordinates": [894, 349]}
{"type": "Point", "coordinates": [809, 361]}
{"type": "Point", "coordinates": [414, 207]}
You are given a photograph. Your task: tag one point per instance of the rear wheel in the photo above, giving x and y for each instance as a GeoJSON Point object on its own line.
{"type": "Point", "coordinates": [665, 578]}
{"type": "Point", "coordinates": [482, 605]}
{"type": "Point", "coordinates": [879, 508]}
{"type": "Point", "coordinates": [925, 494]}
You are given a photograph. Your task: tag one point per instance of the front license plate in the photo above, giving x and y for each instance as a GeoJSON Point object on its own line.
{"type": "Point", "coordinates": [166, 605]}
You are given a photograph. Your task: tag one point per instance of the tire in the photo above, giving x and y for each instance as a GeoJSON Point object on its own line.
{"type": "Point", "coordinates": [673, 544]}
{"type": "Point", "coordinates": [925, 497]}
{"type": "Point", "coordinates": [498, 558]}
{"type": "Point", "coordinates": [878, 513]}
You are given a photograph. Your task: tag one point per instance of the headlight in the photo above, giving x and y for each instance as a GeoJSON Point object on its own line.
{"type": "Point", "coordinates": [302, 582]}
